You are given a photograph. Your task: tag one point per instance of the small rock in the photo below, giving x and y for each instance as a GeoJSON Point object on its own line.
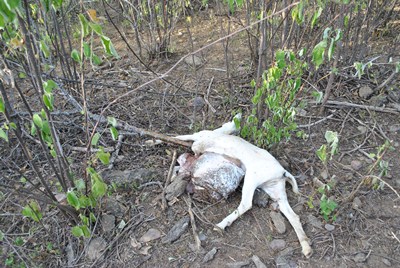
{"type": "Point", "coordinates": [260, 198]}
{"type": "Point", "coordinates": [95, 248]}
{"type": "Point", "coordinates": [193, 61]}
{"type": "Point", "coordinates": [356, 203]}
{"type": "Point", "coordinates": [360, 257]}
{"type": "Point", "coordinates": [314, 221]}
{"type": "Point", "coordinates": [107, 222]}
{"type": "Point", "coordinates": [197, 103]}
{"type": "Point", "coordinates": [286, 252]}
{"type": "Point", "coordinates": [329, 227]}
{"type": "Point", "coordinates": [362, 129]}
{"type": "Point", "coordinates": [238, 264]}
{"type": "Point", "coordinates": [365, 92]}
{"type": "Point", "coordinates": [325, 174]}
{"type": "Point", "coordinates": [356, 165]}
{"type": "Point", "coordinates": [176, 231]}
{"type": "Point", "coordinates": [378, 101]}
{"type": "Point", "coordinates": [210, 255]}
{"type": "Point", "coordinates": [257, 261]}
{"type": "Point", "coordinates": [277, 244]}
{"type": "Point", "coordinates": [176, 188]}
{"type": "Point", "coordinates": [115, 208]}
{"type": "Point", "coordinates": [150, 235]}
{"type": "Point", "coordinates": [386, 262]}
{"type": "Point", "coordinates": [278, 221]}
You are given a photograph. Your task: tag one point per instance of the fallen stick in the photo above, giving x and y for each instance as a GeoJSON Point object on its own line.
{"type": "Point", "coordinates": [367, 107]}
{"type": "Point", "coordinates": [168, 180]}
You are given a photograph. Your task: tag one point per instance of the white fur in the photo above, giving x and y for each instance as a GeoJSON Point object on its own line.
{"type": "Point", "coordinates": [262, 171]}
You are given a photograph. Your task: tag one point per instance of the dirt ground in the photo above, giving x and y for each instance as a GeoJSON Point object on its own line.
{"type": "Point", "coordinates": [366, 232]}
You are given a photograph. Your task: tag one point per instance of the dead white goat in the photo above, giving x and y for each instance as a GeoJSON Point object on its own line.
{"type": "Point", "coordinates": [262, 171]}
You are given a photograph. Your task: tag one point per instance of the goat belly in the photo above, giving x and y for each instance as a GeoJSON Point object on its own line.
{"type": "Point", "coordinates": [215, 176]}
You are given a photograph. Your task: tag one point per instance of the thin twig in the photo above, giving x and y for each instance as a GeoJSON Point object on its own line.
{"type": "Point", "coordinates": [168, 180]}
{"type": "Point", "coordinates": [193, 223]}
{"type": "Point", "coordinates": [367, 107]}
{"type": "Point", "coordinates": [116, 152]}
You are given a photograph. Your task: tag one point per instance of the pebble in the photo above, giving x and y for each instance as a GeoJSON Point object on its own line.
{"type": "Point", "coordinates": [278, 221]}
{"type": "Point", "coordinates": [356, 165]}
{"type": "Point", "coordinates": [107, 222]}
{"type": "Point", "coordinates": [386, 262]}
{"type": "Point", "coordinates": [277, 244]}
{"type": "Point", "coordinates": [257, 261]}
{"type": "Point", "coordinates": [356, 203]}
{"type": "Point", "coordinates": [329, 227]}
{"type": "Point", "coordinates": [150, 235]}
{"type": "Point", "coordinates": [378, 101]}
{"type": "Point", "coordinates": [314, 221]}
{"type": "Point", "coordinates": [362, 129]}
{"type": "Point", "coordinates": [210, 255]}
{"type": "Point", "coordinates": [193, 61]}
{"type": "Point", "coordinates": [365, 92]}
{"type": "Point", "coordinates": [95, 248]}
{"type": "Point", "coordinates": [176, 231]}
{"type": "Point", "coordinates": [360, 257]}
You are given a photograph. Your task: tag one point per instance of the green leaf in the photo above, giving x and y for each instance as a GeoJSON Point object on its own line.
{"type": "Point", "coordinates": [19, 241]}
{"type": "Point", "coordinates": [32, 211]}
{"type": "Point", "coordinates": [3, 135]}
{"type": "Point", "coordinates": [114, 133]}
{"type": "Point", "coordinates": [84, 25]}
{"type": "Point", "coordinates": [112, 121]}
{"type": "Point", "coordinates": [73, 200]}
{"type": "Point", "coordinates": [44, 48]}
{"type": "Point", "coordinates": [86, 50]}
{"type": "Point", "coordinates": [22, 75]}
{"type": "Point", "coordinates": [96, 60]}
{"type": "Point", "coordinates": [108, 46]}
{"type": "Point", "coordinates": [104, 157]}
{"type": "Point", "coordinates": [2, 107]}
{"type": "Point", "coordinates": [38, 121]}
{"type": "Point", "coordinates": [48, 100]}
{"type": "Point", "coordinates": [315, 17]}
{"type": "Point", "coordinates": [49, 85]}
{"type": "Point", "coordinates": [53, 153]}
{"type": "Point", "coordinates": [85, 230]}
{"type": "Point", "coordinates": [95, 139]}
{"type": "Point", "coordinates": [76, 56]}
{"type": "Point", "coordinates": [77, 231]}
{"type": "Point", "coordinates": [12, 4]}
{"type": "Point", "coordinates": [33, 129]}
{"type": "Point", "coordinates": [321, 153]}
{"type": "Point", "coordinates": [99, 188]}
{"type": "Point", "coordinates": [318, 95]}
{"type": "Point", "coordinates": [96, 28]}
{"type": "Point", "coordinates": [318, 53]}
{"type": "Point", "coordinates": [1, 236]}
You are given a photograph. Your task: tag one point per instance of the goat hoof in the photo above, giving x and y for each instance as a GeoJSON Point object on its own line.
{"type": "Point", "coordinates": [307, 250]}
{"type": "Point", "coordinates": [219, 229]}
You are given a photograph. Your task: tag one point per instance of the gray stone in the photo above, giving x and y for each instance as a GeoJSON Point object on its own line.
{"type": "Point", "coordinates": [176, 188]}
{"type": "Point", "coordinates": [360, 257]}
{"type": "Point", "coordinates": [115, 208]}
{"type": "Point", "coordinates": [193, 61]}
{"type": "Point", "coordinates": [356, 165]}
{"type": "Point", "coordinates": [257, 261]}
{"type": "Point", "coordinates": [386, 262]}
{"type": "Point", "coordinates": [95, 248]}
{"type": "Point", "coordinates": [356, 203]}
{"type": "Point", "coordinates": [107, 222]}
{"type": "Point", "coordinates": [365, 92]}
{"type": "Point", "coordinates": [277, 244]}
{"type": "Point", "coordinates": [278, 221]}
{"type": "Point", "coordinates": [378, 101]}
{"type": "Point", "coordinates": [176, 231]}
{"type": "Point", "coordinates": [150, 235]}
{"type": "Point", "coordinates": [329, 227]}
{"type": "Point", "coordinates": [210, 255]}
{"type": "Point", "coordinates": [314, 221]}
{"type": "Point", "coordinates": [362, 129]}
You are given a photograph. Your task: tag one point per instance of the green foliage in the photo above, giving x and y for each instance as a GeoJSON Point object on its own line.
{"type": "Point", "coordinates": [32, 211]}
{"type": "Point", "coordinates": [278, 89]}
{"type": "Point", "coordinates": [318, 53]}
{"type": "Point", "coordinates": [332, 140]}
{"type": "Point", "coordinates": [327, 206]}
